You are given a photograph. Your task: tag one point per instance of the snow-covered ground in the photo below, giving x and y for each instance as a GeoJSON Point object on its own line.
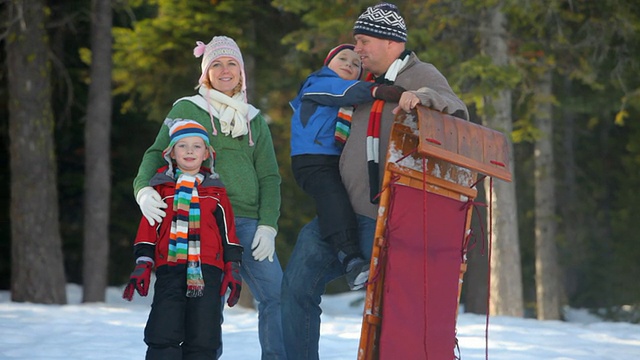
{"type": "Point", "coordinates": [113, 330]}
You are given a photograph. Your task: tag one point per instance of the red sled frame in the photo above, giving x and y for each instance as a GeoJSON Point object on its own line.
{"type": "Point", "coordinates": [423, 226]}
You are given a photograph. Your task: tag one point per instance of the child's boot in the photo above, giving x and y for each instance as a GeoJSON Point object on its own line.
{"type": "Point", "coordinates": [356, 272]}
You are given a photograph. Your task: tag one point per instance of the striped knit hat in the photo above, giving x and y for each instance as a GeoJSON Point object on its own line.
{"type": "Point", "coordinates": [333, 52]}
{"type": "Point", "coordinates": [336, 50]}
{"type": "Point", "coordinates": [181, 128]}
{"type": "Point", "coordinates": [382, 21]}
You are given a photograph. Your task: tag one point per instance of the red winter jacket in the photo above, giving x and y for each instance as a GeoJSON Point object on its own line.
{"type": "Point", "coordinates": [218, 240]}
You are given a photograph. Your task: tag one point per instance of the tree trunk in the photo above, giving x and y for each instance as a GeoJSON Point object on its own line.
{"type": "Point", "coordinates": [547, 285]}
{"type": "Point", "coordinates": [573, 255]}
{"type": "Point", "coordinates": [37, 271]}
{"type": "Point", "coordinates": [97, 160]}
{"type": "Point", "coordinates": [506, 272]}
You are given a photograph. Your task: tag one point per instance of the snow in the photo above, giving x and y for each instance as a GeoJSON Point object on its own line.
{"type": "Point", "coordinates": [114, 330]}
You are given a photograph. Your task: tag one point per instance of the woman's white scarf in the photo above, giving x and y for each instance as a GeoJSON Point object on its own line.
{"type": "Point", "coordinates": [232, 112]}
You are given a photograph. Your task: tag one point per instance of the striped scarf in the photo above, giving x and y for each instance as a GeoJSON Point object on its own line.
{"type": "Point", "coordinates": [373, 129]}
{"type": "Point", "coordinates": [343, 125]}
{"type": "Point", "coordinates": [184, 241]}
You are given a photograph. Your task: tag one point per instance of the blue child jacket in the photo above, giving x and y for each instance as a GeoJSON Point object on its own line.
{"type": "Point", "coordinates": [315, 110]}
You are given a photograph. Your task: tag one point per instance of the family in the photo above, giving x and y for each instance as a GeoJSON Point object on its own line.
{"type": "Point", "coordinates": [209, 191]}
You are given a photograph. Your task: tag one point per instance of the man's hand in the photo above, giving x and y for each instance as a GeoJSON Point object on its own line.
{"type": "Point", "coordinates": [264, 243]}
{"type": "Point", "coordinates": [139, 280]}
{"type": "Point", "coordinates": [408, 101]}
{"type": "Point", "coordinates": [233, 281]}
{"type": "Point", "coordinates": [151, 205]}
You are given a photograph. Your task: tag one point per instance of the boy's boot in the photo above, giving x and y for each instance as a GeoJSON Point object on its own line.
{"type": "Point", "coordinates": [357, 272]}
{"type": "Point", "coordinates": [356, 268]}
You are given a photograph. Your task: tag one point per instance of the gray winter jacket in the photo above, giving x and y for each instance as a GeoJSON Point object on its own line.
{"type": "Point", "coordinates": [432, 89]}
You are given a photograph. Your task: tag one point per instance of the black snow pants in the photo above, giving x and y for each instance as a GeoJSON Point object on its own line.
{"type": "Point", "coordinates": [183, 328]}
{"type": "Point", "coordinates": [319, 176]}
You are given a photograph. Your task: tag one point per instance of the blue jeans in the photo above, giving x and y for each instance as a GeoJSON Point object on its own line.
{"type": "Point", "coordinates": [264, 279]}
{"type": "Point", "coordinates": [312, 265]}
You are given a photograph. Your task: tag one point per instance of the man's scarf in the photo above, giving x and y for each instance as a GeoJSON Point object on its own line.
{"type": "Point", "coordinates": [184, 241]}
{"type": "Point", "coordinates": [373, 129]}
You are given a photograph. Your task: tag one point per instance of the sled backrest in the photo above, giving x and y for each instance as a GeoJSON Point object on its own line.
{"type": "Point", "coordinates": [463, 143]}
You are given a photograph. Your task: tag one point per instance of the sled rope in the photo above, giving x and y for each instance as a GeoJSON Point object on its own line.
{"type": "Point", "coordinates": [409, 153]}
{"type": "Point", "coordinates": [425, 245]}
{"type": "Point", "coordinates": [392, 181]}
{"type": "Point", "coordinates": [476, 205]}
{"type": "Point", "coordinates": [478, 181]}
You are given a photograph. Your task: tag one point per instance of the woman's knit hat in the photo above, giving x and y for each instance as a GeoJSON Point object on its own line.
{"type": "Point", "coordinates": [336, 50]}
{"type": "Point", "coordinates": [219, 46]}
{"type": "Point", "coordinates": [382, 21]}
{"type": "Point", "coordinates": [182, 128]}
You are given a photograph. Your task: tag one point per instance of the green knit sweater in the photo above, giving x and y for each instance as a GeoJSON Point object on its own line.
{"type": "Point", "coordinates": [250, 173]}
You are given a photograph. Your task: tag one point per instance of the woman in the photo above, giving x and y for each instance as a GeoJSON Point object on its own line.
{"type": "Point", "coordinates": [246, 162]}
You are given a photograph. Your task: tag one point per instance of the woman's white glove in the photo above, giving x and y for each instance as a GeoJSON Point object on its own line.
{"type": "Point", "coordinates": [264, 243]}
{"type": "Point", "coordinates": [151, 205]}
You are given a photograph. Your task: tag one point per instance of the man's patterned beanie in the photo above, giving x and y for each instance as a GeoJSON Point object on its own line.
{"type": "Point", "coordinates": [382, 21]}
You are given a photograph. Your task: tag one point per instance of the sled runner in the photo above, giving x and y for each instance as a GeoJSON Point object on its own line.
{"type": "Point", "coordinates": [423, 225]}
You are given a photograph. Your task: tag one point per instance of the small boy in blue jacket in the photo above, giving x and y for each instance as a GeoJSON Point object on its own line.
{"type": "Point", "coordinates": [319, 127]}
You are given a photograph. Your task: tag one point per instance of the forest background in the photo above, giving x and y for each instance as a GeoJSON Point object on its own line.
{"type": "Point", "coordinates": [559, 78]}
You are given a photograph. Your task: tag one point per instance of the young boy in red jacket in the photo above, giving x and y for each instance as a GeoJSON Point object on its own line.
{"type": "Point", "coordinates": [195, 251]}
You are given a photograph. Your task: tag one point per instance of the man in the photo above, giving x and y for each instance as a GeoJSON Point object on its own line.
{"type": "Point", "coordinates": [380, 35]}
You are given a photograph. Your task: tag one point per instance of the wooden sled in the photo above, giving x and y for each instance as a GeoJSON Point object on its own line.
{"type": "Point", "coordinates": [423, 225]}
